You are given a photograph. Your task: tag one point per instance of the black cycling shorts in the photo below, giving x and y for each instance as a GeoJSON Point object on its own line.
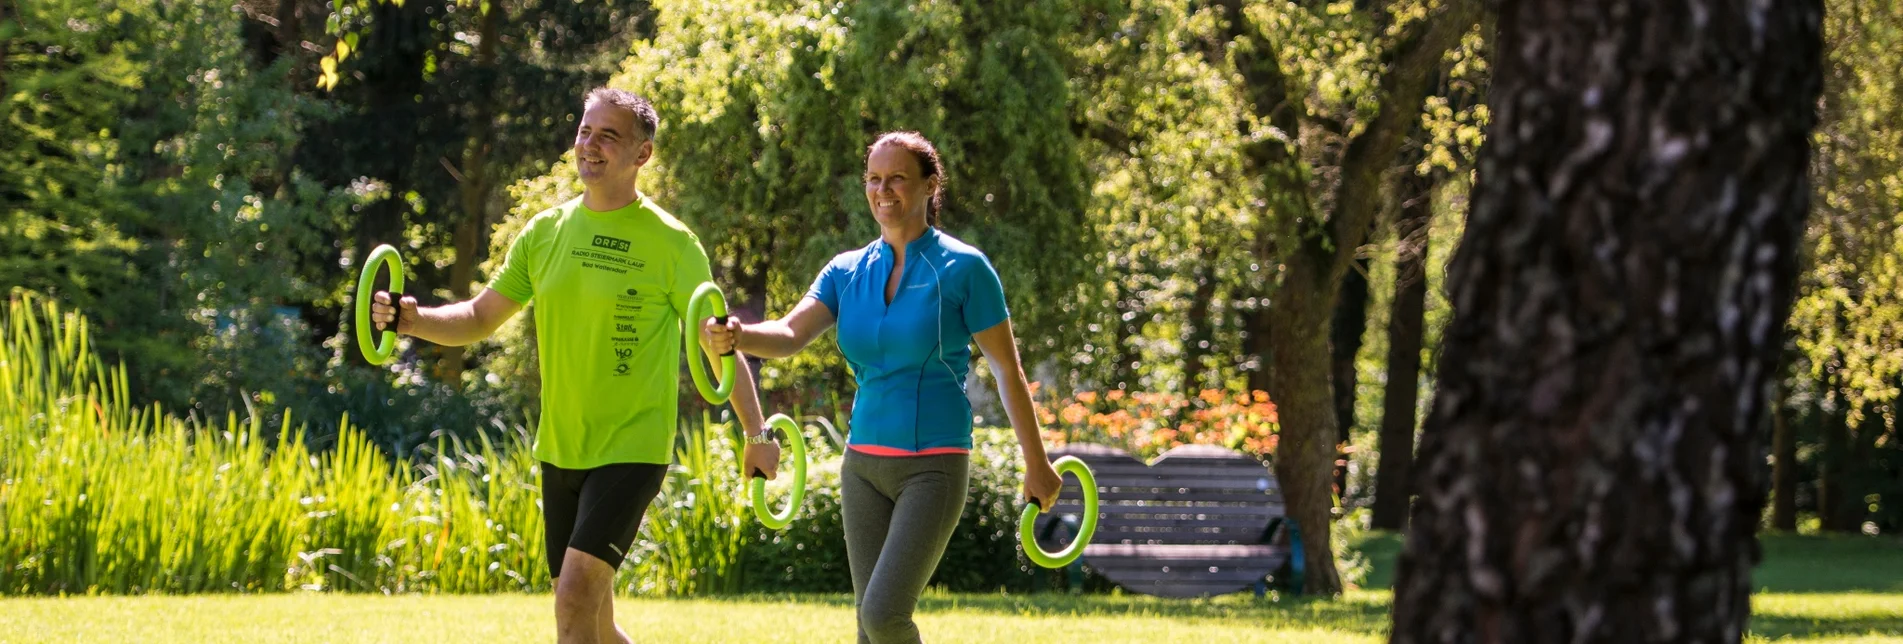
{"type": "Point", "coordinates": [596, 511]}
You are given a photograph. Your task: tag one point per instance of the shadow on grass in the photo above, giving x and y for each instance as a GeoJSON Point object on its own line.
{"type": "Point", "coordinates": [1791, 564]}
{"type": "Point", "coordinates": [1829, 564]}
{"type": "Point", "coordinates": [1773, 625]}
{"type": "Point", "coordinates": [1796, 565]}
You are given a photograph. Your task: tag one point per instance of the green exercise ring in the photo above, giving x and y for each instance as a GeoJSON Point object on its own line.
{"type": "Point", "coordinates": [779, 520]}
{"type": "Point", "coordinates": [378, 352]}
{"type": "Point", "coordinates": [1027, 532]}
{"type": "Point", "coordinates": [708, 295]}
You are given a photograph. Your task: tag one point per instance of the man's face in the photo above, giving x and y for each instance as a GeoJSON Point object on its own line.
{"type": "Point", "coordinates": [609, 147]}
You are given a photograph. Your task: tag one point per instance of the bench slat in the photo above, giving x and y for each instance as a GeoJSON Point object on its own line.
{"type": "Point", "coordinates": [1209, 521]}
{"type": "Point", "coordinates": [1119, 495]}
{"type": "Point", "coordinates": [1185, 469]}
{"type": "Point", "coordinates": [1110, 513]}
{"type": "Point", "coordinates": [1259, 508]}
{"type": "Point", "coordinates": [1174, 536]}
{"type": "Point", "coordinates": [1243, 484]}
{"type": "Point", "coordinates": [1139, 539]}
{"type": "Point", "coordinates": [1185, 591]}
{"type": "Point", "coordinates": [1201, 575]}
{"type": "Point", "coordinates": [1187, 500]}
{"type": "Point", "coordinates": [1259, 513]}
{"type": "Point", "coordinates": [1168, 552]}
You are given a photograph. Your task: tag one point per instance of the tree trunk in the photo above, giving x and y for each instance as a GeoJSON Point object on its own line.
{"type": "Point", "coordinates": [1857, 469]}
{"type": "Point", "coordinates": [1255, 342]}
{"type": "Point", "coordinates": [1393, 475]}
{"type": "Point", "coordinates": [1129, 325]}
{"type": "Point", "coordinates": [475, 188]}
{"type": "Point", "coordinates": [391, 78]}
{"type": "Point", "coordinates": [1591, 469]}
{"type": "Point", "coordinates": [1345, 330]}
{"type": "Point", "coordinates": [1783, 467]}
{"type": "Point", "coordinates": [1316, 257]}
{"type": "Point", "coordinates": [289, 38]}
{"type": "Point", "coordinates": [1832, 465]}
{"type": "Point", "coordinates": [1200, 334]}
{"type": "Point", "coordinates": [1304, 398]}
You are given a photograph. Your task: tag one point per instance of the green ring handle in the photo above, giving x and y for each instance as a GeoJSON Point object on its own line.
{"type": "Point", "coordinates": [1087, 481]}
{"type": "Point", "coordinates": [381, 351]}
{"type": "Point", "coordinates": [779, 520]}
{"type": "Point", "coordinates": [707, 296]}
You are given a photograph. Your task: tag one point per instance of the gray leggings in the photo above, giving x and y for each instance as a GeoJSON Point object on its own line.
{"type": "Point", "coordinates": [899, 514]}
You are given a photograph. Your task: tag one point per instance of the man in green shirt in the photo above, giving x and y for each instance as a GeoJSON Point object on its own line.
{"type": "Point", "coordinates": [610, 273]}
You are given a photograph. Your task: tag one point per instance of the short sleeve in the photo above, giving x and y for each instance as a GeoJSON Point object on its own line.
{"type": "Point", "coordinates": [984, 297]}
{"type": "Point", "coordinates": [825, 287]}
{"type": "Point", "coordinates": [515, 281]}
{"type": "Point", "coordinates": [690, 271]}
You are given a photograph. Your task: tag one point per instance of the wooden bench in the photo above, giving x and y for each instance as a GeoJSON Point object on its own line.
{"type": "Point", "coordinates": [1201, 520]}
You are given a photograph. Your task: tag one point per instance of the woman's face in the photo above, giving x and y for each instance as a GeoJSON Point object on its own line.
{"type": "Point", "coordinates": [896, 187]}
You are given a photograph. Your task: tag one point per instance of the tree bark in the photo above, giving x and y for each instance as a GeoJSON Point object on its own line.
{"type": "Point", "coordinates": [1591, 469]}
{"type": "Point", "coordinates": [1393, 474]}
{"type": "Point", "coordinates": [1304, 398]}
{"type": "Point", "coordinates": [1832, 470]}
{"type": "Point", "coordinates": [1345, 330]}
{"type": "Point", "coordinates": [1783, 467]}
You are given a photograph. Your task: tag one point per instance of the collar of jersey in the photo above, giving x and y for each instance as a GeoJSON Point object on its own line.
{"type": "Point", "coordinates": [925, 242]}
{"type": "Point", "coordinates": [639, 204]}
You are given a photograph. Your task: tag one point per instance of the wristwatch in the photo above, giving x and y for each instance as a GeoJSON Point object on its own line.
{"type": "Point", "coordinates": [765, 436]}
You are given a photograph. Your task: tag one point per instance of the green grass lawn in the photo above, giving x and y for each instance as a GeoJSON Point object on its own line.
{"type": "Point", "coordinates": [1811, 589]}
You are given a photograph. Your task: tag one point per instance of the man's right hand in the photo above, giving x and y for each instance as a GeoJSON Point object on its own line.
{"type": "Point", "coordinates": [381, 313]}
{"type": "Point", "coordinates": [720, 338]}
{"type": "Point", "coordinates": [763, 457]}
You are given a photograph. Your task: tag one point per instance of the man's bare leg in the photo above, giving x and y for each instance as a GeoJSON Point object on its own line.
{"type": "Point", "coordinates": [584, 601]}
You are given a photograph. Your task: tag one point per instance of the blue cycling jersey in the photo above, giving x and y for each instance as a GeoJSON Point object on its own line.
{"type": "Point", "coordinates": [910, 357]}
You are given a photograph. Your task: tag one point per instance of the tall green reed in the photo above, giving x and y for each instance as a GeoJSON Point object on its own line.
{"type": "Point", "coordinates": [100, 495]}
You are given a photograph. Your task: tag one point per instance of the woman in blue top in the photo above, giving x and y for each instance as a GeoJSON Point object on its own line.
{"type": "Point", "coordinates": [908, 306]}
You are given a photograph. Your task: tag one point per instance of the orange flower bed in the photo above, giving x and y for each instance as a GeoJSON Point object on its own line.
{"type": "Point", "coordinates": [1147, 424]}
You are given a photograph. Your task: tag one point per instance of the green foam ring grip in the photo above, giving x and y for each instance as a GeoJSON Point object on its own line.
{"type": "Point", "coordinates": [1086, 481]}
{"type": "Point", "coordinates": [779, 520]}
{"type": "Point", "coordinates": [383, 349]}
{"type": "Point", "coordinates": [708, 296]}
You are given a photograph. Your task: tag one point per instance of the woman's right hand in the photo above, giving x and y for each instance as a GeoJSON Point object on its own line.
{"type": "Point", "coordinates": [720, 338]}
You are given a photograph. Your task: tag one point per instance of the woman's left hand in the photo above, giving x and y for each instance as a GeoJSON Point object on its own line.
{"type": "Point", "coordinates": [1041, 484]}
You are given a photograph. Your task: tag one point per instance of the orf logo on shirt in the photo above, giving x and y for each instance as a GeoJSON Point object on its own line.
{"type": "Point", "coordinates": [610, 243]}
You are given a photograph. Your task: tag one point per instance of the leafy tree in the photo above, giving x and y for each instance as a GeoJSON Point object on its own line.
{"type": "Point", "coordinates": [67, 70]}
{"type": "Point", "coordinates": [766, 110]}
{"type": "Point", "coordinates": [442, 104]}
{"type": "Point", "coordinates": [1846, 325]}
{"type": "Point", "coordinates": [1289, 66]}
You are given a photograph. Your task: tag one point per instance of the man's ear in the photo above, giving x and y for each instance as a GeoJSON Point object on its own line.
{"type": "Point", "coordinates": [644, 152]}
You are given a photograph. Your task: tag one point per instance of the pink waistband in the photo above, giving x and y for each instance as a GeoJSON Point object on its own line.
{"type": "Point", "coordinates": [880, 450]}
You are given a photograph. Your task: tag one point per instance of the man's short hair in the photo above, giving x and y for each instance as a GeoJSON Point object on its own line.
{"type": "Point", "coordinates": [643, 110]}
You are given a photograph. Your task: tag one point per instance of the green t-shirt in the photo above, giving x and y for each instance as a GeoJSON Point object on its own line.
{"type": "Point", "coordinates": [610, 290]}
